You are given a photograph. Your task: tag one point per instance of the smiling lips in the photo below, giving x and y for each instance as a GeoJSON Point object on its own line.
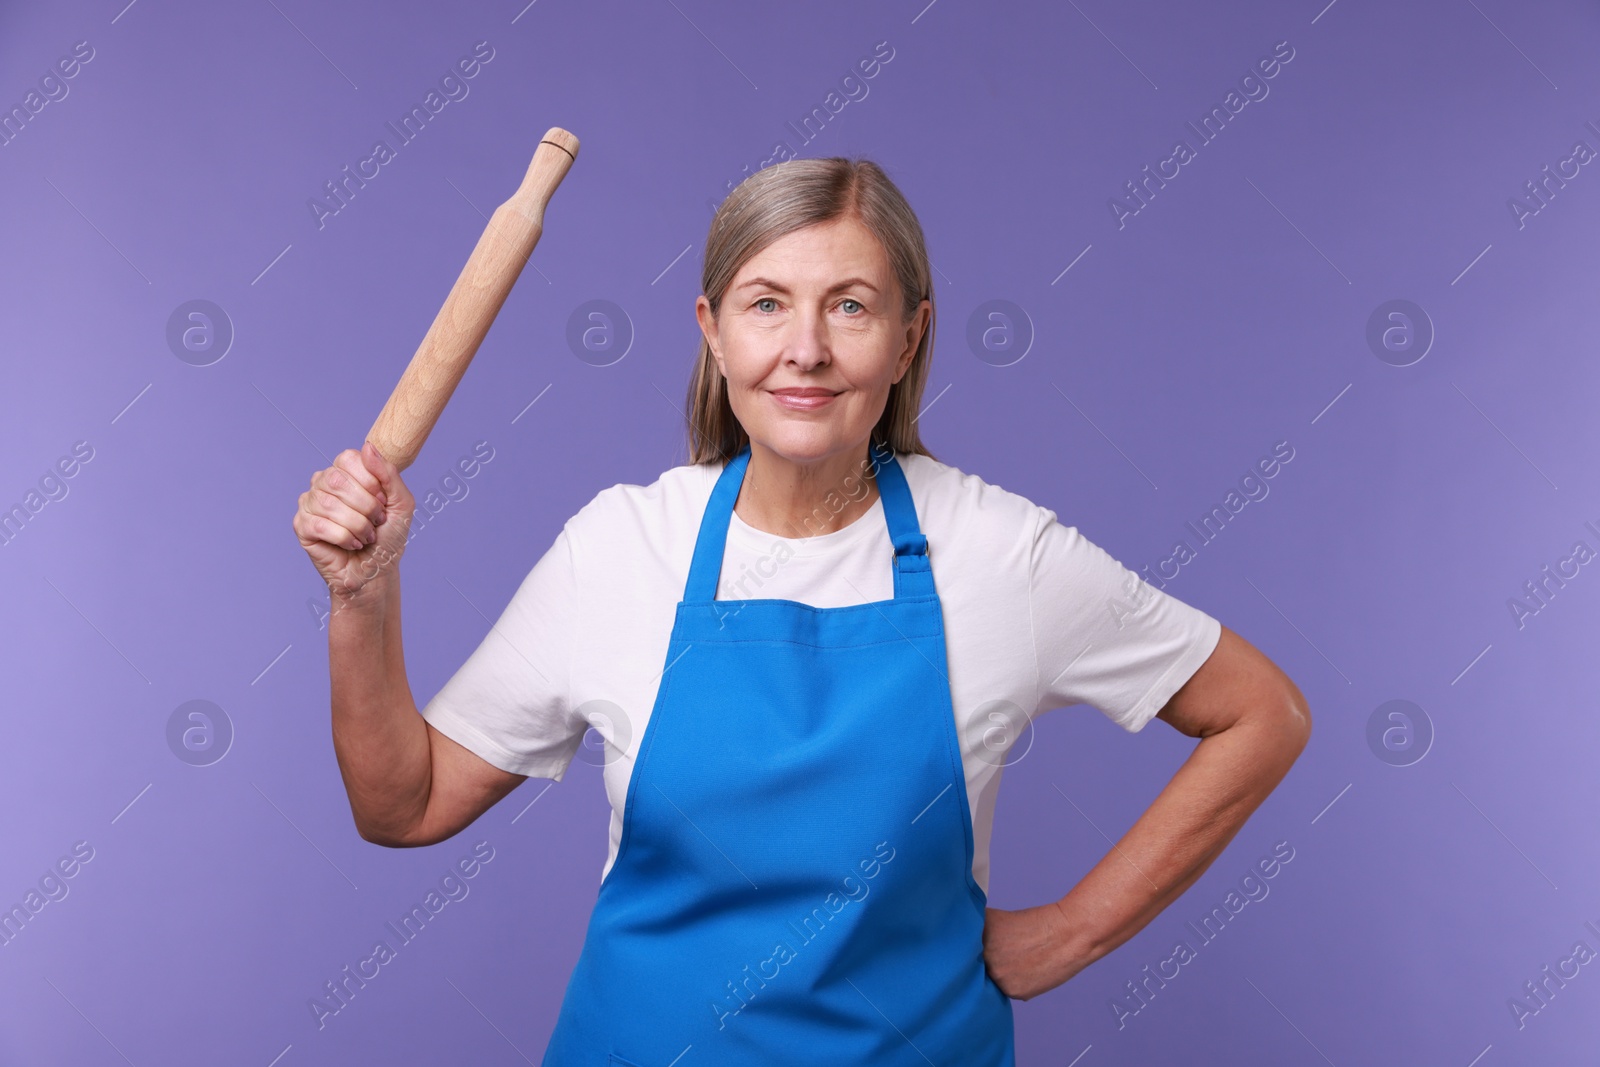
{"type": "Point", "coordinates": [807, 399]}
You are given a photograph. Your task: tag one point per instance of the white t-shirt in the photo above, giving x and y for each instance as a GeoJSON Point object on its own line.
{"type": "Point", "coordinates": [1036, 617]}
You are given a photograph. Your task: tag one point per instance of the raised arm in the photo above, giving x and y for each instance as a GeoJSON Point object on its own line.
{"type": "Point", "coordinates": [407, 783]}
{"type": "Point", "coordinates": [1253, 723]}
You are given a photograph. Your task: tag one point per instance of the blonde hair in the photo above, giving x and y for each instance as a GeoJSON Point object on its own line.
{"type": "Point", "coordinates": [772, 203]}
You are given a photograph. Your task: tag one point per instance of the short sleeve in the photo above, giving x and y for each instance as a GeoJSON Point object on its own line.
{"type": "Point", "coordinates": [1105, 637]}
{"type": "Point", "coordinates": [509, 701]}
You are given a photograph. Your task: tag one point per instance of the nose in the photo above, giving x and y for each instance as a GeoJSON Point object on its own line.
{"type": "Point", "coordinates": [807, 345]}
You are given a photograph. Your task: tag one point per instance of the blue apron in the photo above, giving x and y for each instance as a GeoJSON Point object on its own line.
{"type": "Point", "coordinates": [794, 880]}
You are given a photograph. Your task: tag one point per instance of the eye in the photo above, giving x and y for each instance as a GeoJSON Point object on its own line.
{"type": "Point", "coordinates": [765, 300]}
{"type": "Point", "coordinates": [851, 300]}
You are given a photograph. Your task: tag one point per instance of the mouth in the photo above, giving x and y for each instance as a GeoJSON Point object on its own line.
{"type": "Point", "coordinates": [807, 399]}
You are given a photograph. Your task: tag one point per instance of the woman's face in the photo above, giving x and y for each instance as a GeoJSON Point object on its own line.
{"type": "Point", "coordinates": [810, 339]}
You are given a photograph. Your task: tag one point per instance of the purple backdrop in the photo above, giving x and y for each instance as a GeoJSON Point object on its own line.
{"type": "Point", "coordinates": [1125, 332]}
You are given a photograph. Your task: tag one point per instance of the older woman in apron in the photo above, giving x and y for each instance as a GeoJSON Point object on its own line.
{"type": "Point", "coordinates": [795, 858]}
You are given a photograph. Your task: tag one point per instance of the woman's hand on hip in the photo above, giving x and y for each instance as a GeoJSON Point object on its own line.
{"type": "Point", "coordinates": [1030, 951]}
{"type": "Point", "coordinates": [353, 519]}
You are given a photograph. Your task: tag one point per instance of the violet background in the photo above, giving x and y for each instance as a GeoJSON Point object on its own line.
{"type": "Point", "coordinates": [1229, 314]}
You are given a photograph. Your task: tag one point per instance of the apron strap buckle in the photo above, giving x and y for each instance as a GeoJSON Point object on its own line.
{"type": "Point", "coordinates": [913, 574]}
{"type": "Point", "coordinates": [910, 544]}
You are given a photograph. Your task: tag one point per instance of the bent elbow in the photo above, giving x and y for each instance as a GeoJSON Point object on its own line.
{"type": "Point", "coordinates": [389, 838]}
{"type": "Point", "coordinates": [1297, 717]}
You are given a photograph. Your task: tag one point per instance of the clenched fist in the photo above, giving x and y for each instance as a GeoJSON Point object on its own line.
{"type": "Point", "coordinates": [1030, 951]}
{"type": "Point", "coordinates": [353, 519]}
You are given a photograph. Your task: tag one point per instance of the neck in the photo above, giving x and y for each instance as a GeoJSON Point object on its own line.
{"type": "Point", "coordinates": [795, 500]}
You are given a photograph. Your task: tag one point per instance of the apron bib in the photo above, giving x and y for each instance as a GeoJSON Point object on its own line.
{"type": "Point", "coordinates": [794, 882]}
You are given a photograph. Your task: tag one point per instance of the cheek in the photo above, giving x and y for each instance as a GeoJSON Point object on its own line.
{"type": "Point", "coordinates": [745, 362]}
{"type": "Point", "coordinates": [871, 370]}
{"type": "Point", "coordinates": [742, 375]}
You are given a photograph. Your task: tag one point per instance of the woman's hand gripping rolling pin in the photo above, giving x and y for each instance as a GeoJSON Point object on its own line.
{"type": "Point", "coordinates": [352, 522]}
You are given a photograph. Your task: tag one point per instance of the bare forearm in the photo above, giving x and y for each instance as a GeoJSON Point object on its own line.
{"type": "Point", "coordinates": [1191, 821]}
{"type": "Point", "coordinates": [379, 738]}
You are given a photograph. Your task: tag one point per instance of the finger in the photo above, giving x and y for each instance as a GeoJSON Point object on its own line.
{"type": "Point", "coordinates": [387, 473]}
{"type": "Point", "coordinates": [313, 528]}
{"type": "Point", "coordinates": [341, 483]}
{"type": "Point", "coordinates": [324, 504]}
{"type": "Point", "coordinates": [350, 460]}
{"type": "Point", "coordinates": [304, 523]}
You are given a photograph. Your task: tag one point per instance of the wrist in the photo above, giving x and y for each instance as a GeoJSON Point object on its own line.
{"type": "Point", "coordinates": [371, 597]}
{"type": "Point", "coordinates": [1075, 944]}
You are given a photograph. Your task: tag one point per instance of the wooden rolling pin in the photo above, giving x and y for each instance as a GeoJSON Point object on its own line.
{"type": "Point", "coordinates": [475, 299]}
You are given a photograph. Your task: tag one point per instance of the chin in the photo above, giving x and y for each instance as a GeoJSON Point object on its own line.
{"type": "Point", "coordinates": [799, 443]}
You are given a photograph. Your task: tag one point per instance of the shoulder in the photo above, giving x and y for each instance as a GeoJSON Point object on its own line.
{"type": "Point", "coordinates": [655, 517]}
{"type": "Point", "coordinates": [965, 507]}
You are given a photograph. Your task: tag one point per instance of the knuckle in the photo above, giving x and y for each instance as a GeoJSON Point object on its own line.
{"type": "Point", "coordinates": [354, 466]}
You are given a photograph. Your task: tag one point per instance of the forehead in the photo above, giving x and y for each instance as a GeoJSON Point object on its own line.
{"type": "Point", "coordinates": [820, 253]}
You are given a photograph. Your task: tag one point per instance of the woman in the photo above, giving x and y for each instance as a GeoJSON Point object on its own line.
{"type": "Point", "coordinates": [808, 650]}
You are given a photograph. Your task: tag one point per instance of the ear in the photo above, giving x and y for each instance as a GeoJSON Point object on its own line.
{"type": "Point", "coordinates": [914, 331]}
{"type": "Point", "coordinates": [708, 329]}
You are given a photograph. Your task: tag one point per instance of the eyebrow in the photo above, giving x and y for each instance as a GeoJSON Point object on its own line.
{"type": "Point", "coordinates": [768, 283]}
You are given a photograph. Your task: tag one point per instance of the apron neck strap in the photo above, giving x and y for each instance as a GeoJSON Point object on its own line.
{"type": "Point", "coordinates": [912, 574]}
